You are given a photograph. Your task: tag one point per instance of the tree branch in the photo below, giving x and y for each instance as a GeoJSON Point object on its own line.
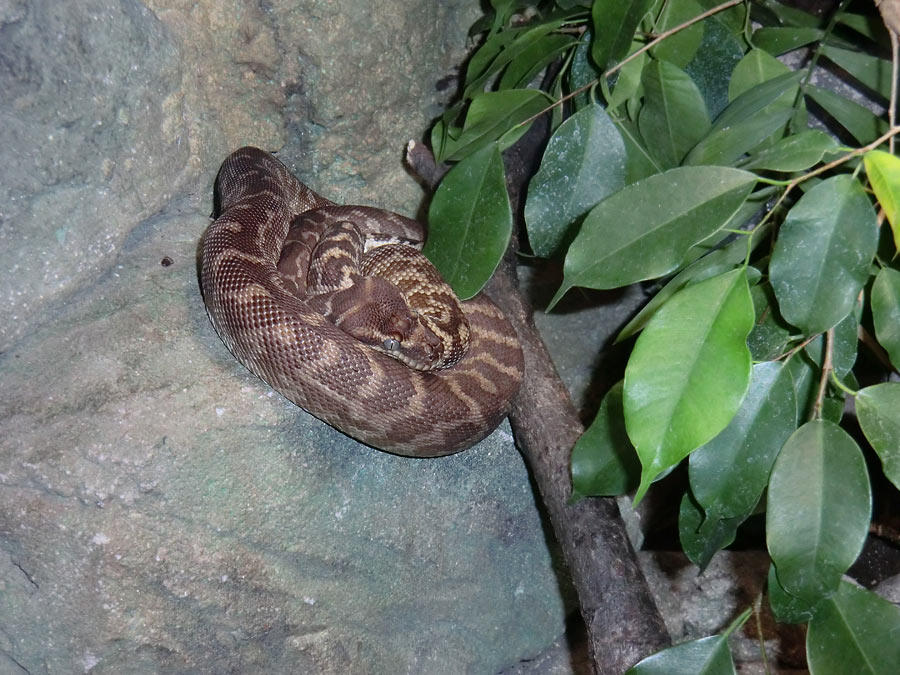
{"type": "Point", "coordinates": [622, 620]}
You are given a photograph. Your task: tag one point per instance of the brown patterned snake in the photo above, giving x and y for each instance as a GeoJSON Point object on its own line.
{"type": "Point", "coordinates": [266, 316]}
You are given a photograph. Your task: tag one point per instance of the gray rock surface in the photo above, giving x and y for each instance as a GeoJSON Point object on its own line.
{"type": "Point", "coordinates": [161, 510]}
{"type": "Point", "coordinates": [92, 141]}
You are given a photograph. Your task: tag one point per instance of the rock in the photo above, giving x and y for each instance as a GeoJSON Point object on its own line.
{"type": "Point", "coordinates": [161, 509]}
{"type": "Point", "coordinates": [92, 142]}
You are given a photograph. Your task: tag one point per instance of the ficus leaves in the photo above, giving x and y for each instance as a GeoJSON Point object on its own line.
{"type": "Point", "coordinates": [688, 372]}
{"type": "Point", "coordinates": [665, 172]}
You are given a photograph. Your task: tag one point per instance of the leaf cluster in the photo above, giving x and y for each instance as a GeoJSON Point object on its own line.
{"type": "Point", "coordinates": [683, 152]}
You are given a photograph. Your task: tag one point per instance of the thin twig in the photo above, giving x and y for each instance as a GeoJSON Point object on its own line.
{"type": "Point", "coordinates": [826, 370]}
{"type": "Point", "coordinates": [757, 613]}
{"type": "Point", "coordinates": [790, 185]}
{"type": "Point", "coordinates": [787, 356]}
{"type": "Point", "coordinates": [887, 532]}
{"type": "Point", "coordinates": [890, 14]}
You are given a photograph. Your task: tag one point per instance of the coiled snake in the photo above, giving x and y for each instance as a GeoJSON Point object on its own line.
{"type": "Point", "coordinates": [267, 309]}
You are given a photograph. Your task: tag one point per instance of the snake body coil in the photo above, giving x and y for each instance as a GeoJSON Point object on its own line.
{"type": "Point", "coordinates": [279, 336]}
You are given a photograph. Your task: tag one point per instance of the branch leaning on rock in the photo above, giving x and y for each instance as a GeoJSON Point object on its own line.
{"type": "Point", "coordinates": [622, 620]}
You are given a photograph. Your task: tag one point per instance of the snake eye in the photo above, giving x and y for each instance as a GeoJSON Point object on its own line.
{"type": "Point", "coordinates": [391, 344]}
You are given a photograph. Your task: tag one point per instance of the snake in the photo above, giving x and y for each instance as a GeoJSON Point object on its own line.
{"type": "Point", "coordinates": [266, 284]}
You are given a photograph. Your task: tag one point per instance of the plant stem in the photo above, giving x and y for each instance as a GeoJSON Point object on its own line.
{"type": "Point", "coordinates": [887, 532]}
{"type": "Point", "coordinates": [757, 611]}
{"type": "Point", "coordinates": [827, 369]}
{"type": "Point", "coordinates": [887, 135]}
{"type": "Point", "coordinates": [840, 385]}
{"type": "Point", "coordinates": [787, 356]}
{"type": "Point", "coordinates": [890, 15]}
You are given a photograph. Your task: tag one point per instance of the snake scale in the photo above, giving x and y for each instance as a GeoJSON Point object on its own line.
{"type": "Point", "coordinates": [264, 317]}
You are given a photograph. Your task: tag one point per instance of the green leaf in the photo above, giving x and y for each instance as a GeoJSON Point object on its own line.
{"type": "Point", "coordinates": [747, 121]}
{"type": "Point", "coordinates": [680, 48]}
{"type": "Point", "coordinates": [715, 58]}
{"type": "Point", "coordinates": [633, 106]}
{"type": "Point", "coordinates": [714, 263]}
{"type": "Point", "coordinates": [583, 71]}
{"type": "Point", "coordinates": [777, 41]}
{"type": "Point", "coordinates": [728, 145]}
{"type": "Point", "coordinates": [640, 164]}
{"type": "Point", "coordinates": [770, 334]}
{"type": "Point", "coordinates": [614, 24]}
{"type": "Point", "coordinates": [823, 252]}
{"type": "Point", "coordinates": [490, 116]}
{"type": "Point", "coordinates": [729, 473]}
{"type": "Point", "coordinates": [644, 230]}
{"type": "Point", "coordinates": [886, 312]}
{"type": "Point", "coordinates": [555, 89]}
{"type": "Point", "coordinates": [688, 372]}
{"type": "Point", "coordinates": [470, 222]}
{"type": "Point", "coordinates": [871, 71]}
{"type": "Point", "coordinates": [752, 70]}
{"type": "Point", "coordinates": [674, 115]}
{"type": "Point", "coordinates": [702, 537]}
{"type": "Point", "coordinates": [440, 132]}
{"type": "Point", "coordinates": [803, 373]}
{"type": "Point", "coordinates": [806, 376]}
{"type": "Point", "coordinates": [844, 348]}
{"type": "Point", "coordinates": [754, 205]}
{"type": "Point", "coordinates": [786, 607]}
{"type": "Point", "coordinates": [584, 162]}
{"type": "Point", "coordinates": [501, 8]}
{"type": "Point", "coordinates": [627, 82]}
{"type": "Point", "coordinates": [706, 656]}
{"type": "Point", "coordinates": [477, 70]}
{"type": "Point", "coordinates": [836, 399]}
{"type": "Point", "coordinates": [501, 49]}
{"type": "Point", "coordinates": [887, 250]}
{"type": "Point", "coordinates": [604, 462]}
{"type": "Point", "coordinates": [861, 122]}
{"type": "Point", "coordinates": [790, 16]}
{"type": "Point", "coordinates": [883, 170]}
{"type": "Point", "coordinates": [522, 70]}
{"type": "Point", "coordinates": [733, 19]}
{"type": "Point", "coordinates": [797, 152]}
{"type": "Point", "coordinates": [818, 509]}
{"type": "Point", "coordinates": [868, 25]}
{"type": "Point", "coordinates": [878, 411]}
{"type": "Point", "coordinates": [854, 631]}
{"type": "Point", "coordinates": [755, 99]}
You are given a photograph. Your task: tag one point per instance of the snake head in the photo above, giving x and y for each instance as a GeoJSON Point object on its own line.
{"type": "Point", "coordinates": [406, 337]}
{"type": "Point", "coordinates": [375, 312]}
{"type": "Point", "coordinates": [418, 347]}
